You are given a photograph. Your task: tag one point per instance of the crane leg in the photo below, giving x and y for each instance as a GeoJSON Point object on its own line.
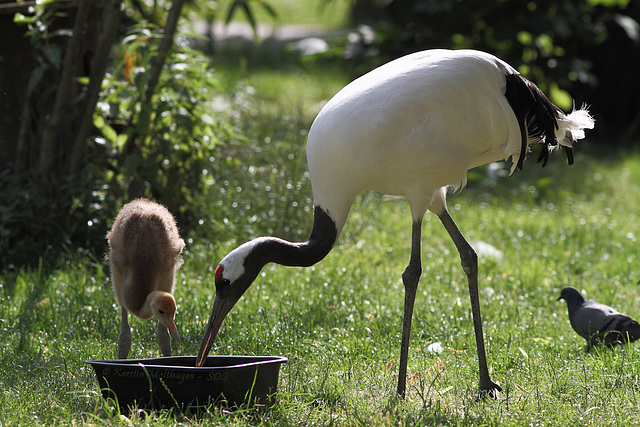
{"type": "Point", "coordinates": [164, 339]}
{"type": "Point", "coordinates": [410, 279]}
{"type": "Point", "coordinates": [470, 266]}
{"type": "Point", "coordinates": [124, 340]}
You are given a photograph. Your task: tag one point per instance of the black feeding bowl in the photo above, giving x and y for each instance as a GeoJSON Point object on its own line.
{"type": "Point", "coordinates": [166, 382]}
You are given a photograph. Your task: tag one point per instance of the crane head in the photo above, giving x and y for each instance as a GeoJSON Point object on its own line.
{"type": "Point", "coordinates": [233, 277]}
{"type": "Point", "coordinates": [163, 306]}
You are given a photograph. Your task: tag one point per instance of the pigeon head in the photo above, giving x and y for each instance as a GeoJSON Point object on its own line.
{"type": "Point", "coordinates": [571, 295]}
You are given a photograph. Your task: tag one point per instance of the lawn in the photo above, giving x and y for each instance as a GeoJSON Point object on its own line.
{"type": "Point", "coordinates": [339, 322]}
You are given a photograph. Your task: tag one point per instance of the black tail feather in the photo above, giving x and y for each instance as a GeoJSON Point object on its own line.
{"type": "Point", "coordinates": [537, 116]}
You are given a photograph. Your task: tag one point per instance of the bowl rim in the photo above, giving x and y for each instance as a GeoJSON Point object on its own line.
{"type": "Point", "coordinates": [146, 362]}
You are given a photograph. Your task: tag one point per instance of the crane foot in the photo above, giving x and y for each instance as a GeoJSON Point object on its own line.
{"type": "Point", "coordinates": [490, 391]}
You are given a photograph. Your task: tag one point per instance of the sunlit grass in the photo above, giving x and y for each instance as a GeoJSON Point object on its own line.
{"type": "Point", "coordinates": [339, 322]}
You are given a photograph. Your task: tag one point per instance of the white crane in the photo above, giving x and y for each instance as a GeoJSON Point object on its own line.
{"type": "Point", "coordinates": [411, 127]}
{"type": "Point", "coordinates": [144, 254]}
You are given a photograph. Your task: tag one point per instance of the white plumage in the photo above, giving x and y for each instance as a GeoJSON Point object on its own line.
{"type": "Point", "coordinates": [411, 127]}
{"type": "Point", "coordinates": [415, 125]}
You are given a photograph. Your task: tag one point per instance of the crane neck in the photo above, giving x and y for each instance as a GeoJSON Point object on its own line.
{"type": "Point", "coordinates": [300, 254]}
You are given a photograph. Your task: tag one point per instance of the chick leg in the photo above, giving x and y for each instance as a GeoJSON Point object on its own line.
{"type": "Point", "coordinates": [124, 340]}
{"type": "Point", "coordinates": [164, 339]}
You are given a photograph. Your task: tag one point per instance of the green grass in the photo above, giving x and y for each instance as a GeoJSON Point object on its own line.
{"type": "Point", "coordinates": [339, 322]}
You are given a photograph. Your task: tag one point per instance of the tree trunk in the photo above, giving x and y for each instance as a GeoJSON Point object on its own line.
{"type": "Point", "coordinates": [50, 150]}
{"type": "Point", "coordinates": [16, 64]}
{"type": "Point", "coordinates": [36, 114]}
{"type": "Point", "coordinates": [110, 23]}
{"type": "Point", "coordinates": [157, 63]}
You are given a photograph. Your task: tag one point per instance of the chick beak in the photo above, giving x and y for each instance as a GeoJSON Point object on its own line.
{"type": "Point", "coordinates": [171, 326]}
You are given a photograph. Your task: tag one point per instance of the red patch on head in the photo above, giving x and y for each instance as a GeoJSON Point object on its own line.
{"type": "Point", "coordinates": [218, 274]}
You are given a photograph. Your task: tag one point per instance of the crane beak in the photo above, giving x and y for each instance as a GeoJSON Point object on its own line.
{"type": "Point", "coordinates": [174, 330]}
{"type": "Point", "coordinates": [221, 307]}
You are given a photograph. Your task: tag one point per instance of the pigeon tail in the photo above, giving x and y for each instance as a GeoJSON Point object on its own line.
{"type": "Point", "coordinates": [620, 329]}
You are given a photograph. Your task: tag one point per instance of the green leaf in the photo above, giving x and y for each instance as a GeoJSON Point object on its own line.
{"type": "Point", "coordinates": [131, 163]}
{"type": "Point", "coordinates": [98, 121]}
{"type": "Point", "coordinates": [232, 10]}
{"type": "Point", "coordinates": [109, 133]}
{"type": "Point", "coordinates": [268, 8]}
{"type": "Point", "coordinates": [19, 18]}
{"type": "Point", "coordinates": [144, 119]}
{"type": "Point", "coordinates": [34, 79]}
{"type": "Point", "coordinates": [53, 54]}
{"type": "Point", "coordinates": [250, 18]}
{"type": "Point", "coordinates": [560, 97]}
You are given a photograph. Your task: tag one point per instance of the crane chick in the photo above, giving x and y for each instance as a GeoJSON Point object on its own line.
{"type": "Point", "coordinates": [144, 254]}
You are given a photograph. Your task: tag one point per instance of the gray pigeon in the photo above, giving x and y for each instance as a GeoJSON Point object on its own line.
{"type": "Point", "coordinates": [598, 323]}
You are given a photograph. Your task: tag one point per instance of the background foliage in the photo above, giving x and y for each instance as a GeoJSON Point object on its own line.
{"type": "Point", "coordinates": [589, 49]}
{"type": "Point", "coordinates": [182, 149]}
